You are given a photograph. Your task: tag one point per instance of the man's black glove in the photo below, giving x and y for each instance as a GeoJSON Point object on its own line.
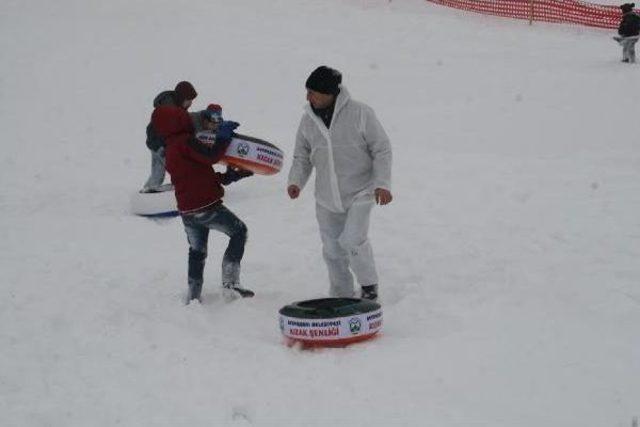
{"type": "Point", "coordinates": [234, 174]}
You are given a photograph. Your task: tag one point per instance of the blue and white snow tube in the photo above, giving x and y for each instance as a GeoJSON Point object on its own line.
{"type": "Point", "coordinates": [155, 205]}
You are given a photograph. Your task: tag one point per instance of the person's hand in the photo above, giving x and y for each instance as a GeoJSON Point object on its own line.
{"type": "Point", "coordinates": [238, 173]}
{"type": "Point", "coordinates": [294, 191]}
{"type": "Point", "coordinates": [234, 174]}
{"type": "Point", "coordinates": [225, 130]}
{"type": "Point", "coordinates": [383, 197]}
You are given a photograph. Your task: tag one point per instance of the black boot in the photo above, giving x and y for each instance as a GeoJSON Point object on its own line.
{"type": "Point", "coordinates": [232, 291]}
{"type": "Point", "coordinates": [369, 292]}
{"type": "Point", "coordinates": [195, 290]}
{"type": "Point", "coordinates": [196, 270]}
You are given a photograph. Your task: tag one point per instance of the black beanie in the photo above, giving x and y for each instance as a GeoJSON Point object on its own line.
{"type": "Point", "coordinates": [627, 7]}
{"type": "Point", "coordinates": [325, 80]}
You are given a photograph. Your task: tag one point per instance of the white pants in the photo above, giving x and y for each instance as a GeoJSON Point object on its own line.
{"type": "Point", "coordinates": [628, 48]}
{"type": "Point", "coordinates": [157, 170]}
{"type": "Point", "coordinates": [346, 247]}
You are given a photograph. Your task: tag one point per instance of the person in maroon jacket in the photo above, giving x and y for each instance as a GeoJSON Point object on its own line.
{"type": "Point", "coordinates": [182, 96]}
{"type": "Point", "coordinates": [199, 192]}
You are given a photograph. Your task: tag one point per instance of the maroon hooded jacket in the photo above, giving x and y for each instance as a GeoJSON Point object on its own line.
{"type": "Point", "coordinates": [188, 161]}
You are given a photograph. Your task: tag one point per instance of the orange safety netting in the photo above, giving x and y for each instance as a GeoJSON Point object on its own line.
{"type": "Point", "coordinates": [563, 11]}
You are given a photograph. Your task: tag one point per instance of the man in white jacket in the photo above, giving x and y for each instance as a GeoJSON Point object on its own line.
{"type": "Point", "coordinates": [350, 151]}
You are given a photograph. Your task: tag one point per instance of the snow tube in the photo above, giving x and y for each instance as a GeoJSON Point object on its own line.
{"type": "Point", "coordinates": [249, 153]}
{"type": "Point", "coordinates": [330, 321]}
{"type": "Point", "coordinates": [155, 205]}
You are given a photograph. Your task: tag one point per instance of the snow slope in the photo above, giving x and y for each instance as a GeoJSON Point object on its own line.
{"type": "Point", "coordinates": [509, 258]}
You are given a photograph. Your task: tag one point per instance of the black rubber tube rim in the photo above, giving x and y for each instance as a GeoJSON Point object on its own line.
{"type": "Point", "coordinates": [329, 308]}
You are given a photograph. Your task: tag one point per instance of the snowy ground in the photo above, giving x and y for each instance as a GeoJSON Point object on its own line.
{"type": "Point", "coordinates": [509, 258]}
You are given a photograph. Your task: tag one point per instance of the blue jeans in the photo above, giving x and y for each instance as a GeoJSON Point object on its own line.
{"type": "Point", "coordinates": [197, 226]}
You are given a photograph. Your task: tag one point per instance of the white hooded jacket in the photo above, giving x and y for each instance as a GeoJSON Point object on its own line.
{"type": "Point", "coordinates": [351, 158]}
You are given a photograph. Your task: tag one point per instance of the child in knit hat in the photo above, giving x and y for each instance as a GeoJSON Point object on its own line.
{"type": "Point", "coordinates": [207, 119]}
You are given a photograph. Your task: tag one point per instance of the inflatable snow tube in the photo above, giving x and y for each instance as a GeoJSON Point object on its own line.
{"type": "Point", "coordinates": [330, 321]}
{"type": "Point", "coordinates": [160, 204]}
{"type": "Point", "coordinates": [249, 153]}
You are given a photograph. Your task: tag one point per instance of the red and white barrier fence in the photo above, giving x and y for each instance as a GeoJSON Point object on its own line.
{"type": "Point", "coordinates": [559, 11]}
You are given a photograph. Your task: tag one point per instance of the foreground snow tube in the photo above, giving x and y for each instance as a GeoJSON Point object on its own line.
{"type": "Point", "coordinates": [330, 321]}
{"type": "Point", "coordinates": [249, 153]}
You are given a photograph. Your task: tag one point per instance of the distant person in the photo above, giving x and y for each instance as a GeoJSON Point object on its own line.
{"type": "Point", "coordinates": [350, 151]}
{"type": "Point", "coordinates": [629, 31]}
{"type": "Point", "coordinates": [182, 96]}
{"type": "Point", "coordinates": [199, 192]}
